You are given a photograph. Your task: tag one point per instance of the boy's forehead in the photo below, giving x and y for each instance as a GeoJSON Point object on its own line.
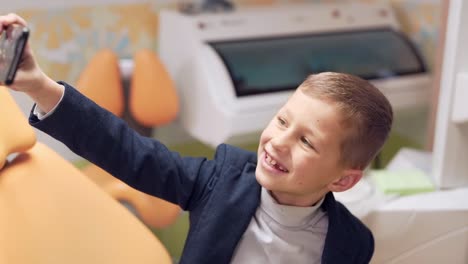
{"type": "Point", "coordinates": [314, 108]}
{"type": "Point", "coordinates": [302, 96]}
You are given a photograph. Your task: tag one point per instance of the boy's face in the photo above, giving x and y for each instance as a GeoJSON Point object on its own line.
{"type": "Point", "coordinates": [299, 151]}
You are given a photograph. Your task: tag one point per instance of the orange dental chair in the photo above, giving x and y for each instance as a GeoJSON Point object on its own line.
{"type": "Point", "coordinates": [50, 213]}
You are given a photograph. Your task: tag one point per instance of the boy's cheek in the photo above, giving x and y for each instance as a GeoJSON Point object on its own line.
{"type": "Point", "coordinates": [264, 141]}
{"type": "Point", "coordinates": [264, 136]}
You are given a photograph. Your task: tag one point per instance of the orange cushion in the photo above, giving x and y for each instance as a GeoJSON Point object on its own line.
{"type": "Point", "coordinates": [51, 213]}
{"type": "Point", "coordinates": [16, 134]}
{"type": "Point", "coordinates": [101, 82]}
{"type": "Point", "coordinates": [153, 211]}
{"type": "Point", "coordinates": [153, 98]}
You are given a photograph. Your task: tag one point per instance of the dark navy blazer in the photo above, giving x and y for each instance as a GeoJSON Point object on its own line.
{"type": "Point", "coordinates": [221, 194]}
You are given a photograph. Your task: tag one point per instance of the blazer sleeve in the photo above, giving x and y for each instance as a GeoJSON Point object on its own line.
{"type": "Point", "coordinates": [143, 163]}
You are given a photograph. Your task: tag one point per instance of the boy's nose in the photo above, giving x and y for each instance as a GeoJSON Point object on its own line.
{"type": "Point", "coordinates": [280, 143]}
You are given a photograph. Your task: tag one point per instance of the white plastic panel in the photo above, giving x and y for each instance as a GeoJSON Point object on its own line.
{"type": "Point", "coordinates": [450, 166]}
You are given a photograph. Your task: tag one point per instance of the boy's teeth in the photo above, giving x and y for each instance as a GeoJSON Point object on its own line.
{"type": "Point", "coordinates": [270, 160]}
{"type": "Point", "coordinates": [274, 163]}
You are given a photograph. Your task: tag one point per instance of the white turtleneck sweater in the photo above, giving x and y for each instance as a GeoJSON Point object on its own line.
{"type": "Point", "coordinates": [283, 234]}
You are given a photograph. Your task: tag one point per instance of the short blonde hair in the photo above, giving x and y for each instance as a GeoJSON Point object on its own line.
{"type": "Point", "coordinates": [365, 112]}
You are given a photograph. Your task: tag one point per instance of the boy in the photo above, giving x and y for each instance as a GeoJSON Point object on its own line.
{"type": "Point", "coordinates": [279, 208]}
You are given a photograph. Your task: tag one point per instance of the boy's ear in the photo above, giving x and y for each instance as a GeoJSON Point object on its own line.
{"type": "Point", "coordinates": [348, 180]}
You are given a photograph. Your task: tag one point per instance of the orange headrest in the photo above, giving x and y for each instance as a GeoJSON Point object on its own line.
{"type": "Point", "coordinates": [153, 98]}
{"type": "Point", "coordinates": [16, 135]}
{"type": "Point", "coordinates": [101, 82]}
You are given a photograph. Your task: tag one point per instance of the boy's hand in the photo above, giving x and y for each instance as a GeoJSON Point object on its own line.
{"type": "Point", "coordinates": [28, 76]}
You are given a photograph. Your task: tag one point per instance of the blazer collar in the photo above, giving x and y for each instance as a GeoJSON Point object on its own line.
{"type": "Point", "coordinates": [338, 246]}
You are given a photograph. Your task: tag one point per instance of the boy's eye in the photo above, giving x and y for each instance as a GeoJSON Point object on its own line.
{"type": "Point", "coordinates": [306, 142]}
{"type": "Point", "coordinates": [281, 121]}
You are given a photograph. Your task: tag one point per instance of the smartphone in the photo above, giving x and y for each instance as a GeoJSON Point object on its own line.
{"type": "Point", "coordinates": [12, 42]}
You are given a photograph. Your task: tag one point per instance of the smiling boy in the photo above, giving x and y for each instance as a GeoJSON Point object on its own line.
{"type": "Point", "coordinates": [319, 142]}
{"type": "Point", "coordinates": [322, 139]}
{"type": "Point", "coordinates": [276, 208]}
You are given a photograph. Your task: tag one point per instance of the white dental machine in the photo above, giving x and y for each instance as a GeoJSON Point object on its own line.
{"type": "Point", "coordinates": [235, 69]}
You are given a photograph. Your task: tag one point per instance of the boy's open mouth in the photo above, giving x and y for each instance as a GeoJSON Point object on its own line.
{"type": "Point", "coordinates": [274, 163]}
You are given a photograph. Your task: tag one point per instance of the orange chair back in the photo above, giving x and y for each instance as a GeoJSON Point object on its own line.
{"type": "Point", "coordinates": [101, 82]}
{"type": "Point", "coordinates": [153, 99]}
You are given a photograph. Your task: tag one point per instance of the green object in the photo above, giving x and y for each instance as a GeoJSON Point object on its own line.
{"type": "Point", "coordinates": [394, 143]}
{"type": "Point", "coordinates": [402, 182]}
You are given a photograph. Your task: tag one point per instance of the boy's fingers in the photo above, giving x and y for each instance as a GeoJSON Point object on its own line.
{"type": "Point", "coordinates": [18, 19]}
{"type": "Point", "coordinates": [11, 19]}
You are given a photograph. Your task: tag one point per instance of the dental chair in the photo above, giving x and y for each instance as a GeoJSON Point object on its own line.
{"type": "Point", "coordinates": [152, 102]}
{"type": "Point", "coordinates": [50, 213]}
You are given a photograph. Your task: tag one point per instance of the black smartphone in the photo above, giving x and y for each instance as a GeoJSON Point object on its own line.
{"type": "Point", "coordinates": [12, 42]}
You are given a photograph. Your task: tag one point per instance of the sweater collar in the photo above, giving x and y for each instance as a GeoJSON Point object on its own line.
{"type": "Point", "coordinates": [289, 216]}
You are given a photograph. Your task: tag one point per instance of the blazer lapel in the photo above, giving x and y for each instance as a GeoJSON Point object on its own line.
{"type": "Point", "coordinates": [338, 247]}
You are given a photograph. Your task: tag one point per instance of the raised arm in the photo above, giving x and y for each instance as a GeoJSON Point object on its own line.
{"type": "Point", "coordinates": [104, 139]}
{"type": "Point", "coordinates": [30, 79]}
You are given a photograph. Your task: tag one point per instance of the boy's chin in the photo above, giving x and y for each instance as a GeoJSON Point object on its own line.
{"type": "Point", "coordinates": [264, 180]}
